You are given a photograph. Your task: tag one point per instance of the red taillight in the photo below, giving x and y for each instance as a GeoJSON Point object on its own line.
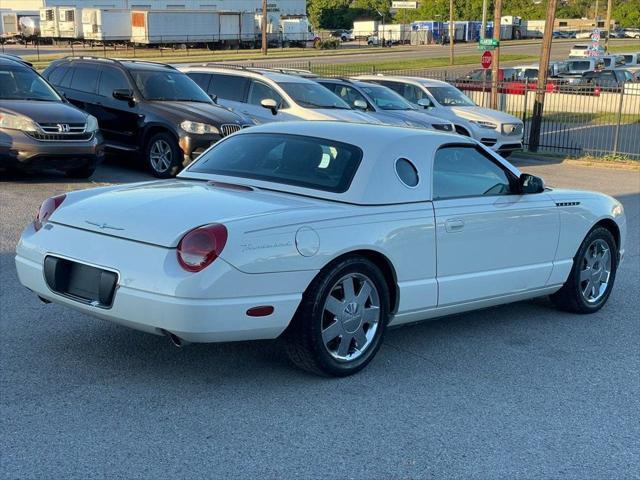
{"type": "Point", "coordinates": [46, 209]}
{"type": "Point", "coordinates": [201, 246]}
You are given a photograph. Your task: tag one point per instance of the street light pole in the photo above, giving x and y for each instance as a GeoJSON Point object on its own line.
{"type": "Point", "coordinates": [543, 71]}
{"type": "Point", "coordinates": [608, 26]}
{"type": "Point", "coordinates": [451, 32]}
{"type": "Point", "coordinates": [495, 69]}
{"type": "Point", "coordinates": [263, 48]}
{"type": "Point", "coordinates": [484, 19]}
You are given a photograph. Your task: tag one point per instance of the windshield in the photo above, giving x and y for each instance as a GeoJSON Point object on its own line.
{"type": "Point", "coordinates": [313, 95]}
{"type": "Point", "coordinates": [168, 86]}
{"type": "Point", "coordinates": [25, 84]}
{"type": "Point", "coordinates": [387, 99]}
{"type": "Point", "coordinates": [301, 161]}
{"type": "Point", "coordinates": [579, 65]}
{"type": "Point", "coordinates": [450, 97]}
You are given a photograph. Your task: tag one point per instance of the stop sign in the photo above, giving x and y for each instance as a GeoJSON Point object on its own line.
{"type": "Point", "coordinates": [487, 56]}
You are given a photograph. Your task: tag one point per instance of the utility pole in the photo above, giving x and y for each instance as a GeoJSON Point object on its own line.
{"type": "Point", "coordinates": [608, 26]}
{"type": "Point", "coordinates": [596, 14]}
{"type": "Point", "coordinates": [484, 19]}
{"type": "Point", "coordinates": [452, 32]}
{"type": "Point", "coordinates": [263, 48]}
{"type": "Point", "coordinates": [543, 71]}
{"type": "Point", "coordinates": [495, 68]}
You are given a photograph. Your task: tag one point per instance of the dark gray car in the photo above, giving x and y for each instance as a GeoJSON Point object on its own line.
{"type": "Point", "coordinates": [383, 104]}
{"type": "Point", "coordinates": [41, 130]}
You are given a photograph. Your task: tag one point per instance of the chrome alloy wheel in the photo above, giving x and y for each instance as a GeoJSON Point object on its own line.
{"type": "Point", "coordinates": [595, 272]}
{"type": "Point", "coordinates": [350, 317]}
{"type": "Point", "coordinates": [160, 156]}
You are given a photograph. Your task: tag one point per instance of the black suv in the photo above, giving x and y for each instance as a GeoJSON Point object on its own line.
{"type": "Point", "coordinates": [41, 130]}
{"type": "Point", "coordinates": [145, 107]}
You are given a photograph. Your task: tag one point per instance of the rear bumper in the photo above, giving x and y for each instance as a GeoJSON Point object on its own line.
{"type": "Point", "coordinates": [154, 294]}
{"type": "Point", "coordinates": [18, 150]}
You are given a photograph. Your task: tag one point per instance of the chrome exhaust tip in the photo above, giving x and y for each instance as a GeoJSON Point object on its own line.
{"type": "Point", "coordinates": [175, 340]}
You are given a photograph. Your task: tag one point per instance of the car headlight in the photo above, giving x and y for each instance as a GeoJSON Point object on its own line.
{"type": "Point", "coordinates": [198, 128]}
{"type": "Point", "coordinates": [511, 128]}
{"type": "Point", "coordinates": [483, 124]}
{"type": "Point", "coordinates": [92, 124]}
{"type": "Point", "coordinates": [17, 122]}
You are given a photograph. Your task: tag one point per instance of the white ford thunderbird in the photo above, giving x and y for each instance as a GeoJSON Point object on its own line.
{"type": "Point", "coordinates": [325, 234]}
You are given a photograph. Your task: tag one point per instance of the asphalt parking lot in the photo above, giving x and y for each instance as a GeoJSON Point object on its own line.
{"type": "Point", "coordinates": [520, 391]}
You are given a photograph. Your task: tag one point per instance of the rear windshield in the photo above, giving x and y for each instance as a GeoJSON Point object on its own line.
{"type": "Point", "coordinates": [580, 65]}
{"type": "Point", "coordinates": [301, 161]}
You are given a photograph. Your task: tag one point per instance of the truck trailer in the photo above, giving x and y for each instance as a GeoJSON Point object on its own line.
{"type": "Point", "coordinates": [106, 25]}
{"type": "Point", "coordinates": [202, 27]}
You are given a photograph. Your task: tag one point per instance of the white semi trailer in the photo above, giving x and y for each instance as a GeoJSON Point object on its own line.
{"type": "Point", "coordinates": [210, 27]}
{"type": "Point", "coordinates": [61, 23]}
{"type": "Point", "coordinates": [106, 25]}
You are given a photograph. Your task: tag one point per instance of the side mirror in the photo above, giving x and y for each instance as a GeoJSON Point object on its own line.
{"type": "Point", "coordinates": [425, 103]}
{"type": "Point", "coordinates": [531, 184]}
{"type": "Point", "coordinates": [123, 94]}
{"type": "Point", "coordinates": [360, 104]}
{"type": "Point", "coordinates": [270, 104]}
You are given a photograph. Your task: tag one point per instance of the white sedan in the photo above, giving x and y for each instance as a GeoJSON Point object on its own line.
{"type": "Point", "coordinates": [324, 233]}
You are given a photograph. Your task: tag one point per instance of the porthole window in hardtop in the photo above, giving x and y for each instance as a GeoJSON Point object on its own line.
{"type": "Point", "coordinates": [407, 172]}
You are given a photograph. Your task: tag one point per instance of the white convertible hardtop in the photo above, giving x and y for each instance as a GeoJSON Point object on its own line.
{"type": "Point", "coordinates": [376, 181]}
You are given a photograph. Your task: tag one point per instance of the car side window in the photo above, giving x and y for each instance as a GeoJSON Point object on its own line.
{"type": "Point", "coordinates": [258, 91]}
{"type": "Point", "coordinates": [349, 94]}
{"type": "Point", "coordinates": [413, 93]}
{"type": "Point", "coordinates": [56, 76]}
{"type": "Point", "coordinates": [228, 87]}
{"type": "Point", "coordinates": [110, 80]}
{"type": "Point", "coordinates": [85, 78]}
{"type": "Point", "coordinates": [465, 171]}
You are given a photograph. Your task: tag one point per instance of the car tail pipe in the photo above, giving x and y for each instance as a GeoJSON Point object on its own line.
{"type": "Point", "coordinates": [174, 339]}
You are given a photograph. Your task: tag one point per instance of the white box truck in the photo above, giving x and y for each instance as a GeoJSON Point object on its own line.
{"type": "Point", "coordinates": [8, 24]}
{"type": "Point", "coordinates": [363, 29]}
{"type": "Point", "coordinates": [296, 31]}
{"type": "Point", "coordinates": [106, 25]}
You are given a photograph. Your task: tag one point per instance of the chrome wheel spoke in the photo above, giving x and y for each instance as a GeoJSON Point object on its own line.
{"type": "Point", "coordinates": [348, 288]}
{"type": "Point", "coordinates": [595, 277]}
{"type": "Point", "coordinates": [332, 331]}
{"type": "Point", "coordinates": [334, 306]}
{"type": "Point", "coordinates": [363, 294]}
{"type": "Point", "coordinates": [344, 345]}
{"type": "Point", "coordinates": [585, 274]}
{"type": "Point", "coordinates": [361, 338]}
{"type": "Point", "coordinates": [371, 315]}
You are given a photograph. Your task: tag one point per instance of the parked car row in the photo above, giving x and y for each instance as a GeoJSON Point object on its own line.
{"type": "Point", "coordinates": [168, 116]}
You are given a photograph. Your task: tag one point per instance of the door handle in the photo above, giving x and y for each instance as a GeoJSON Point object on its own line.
{"type": "Point", "coordinates": [454, 225]}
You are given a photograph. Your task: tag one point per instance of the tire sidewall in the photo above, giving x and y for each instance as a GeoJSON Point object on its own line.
{"type": "Point", "coordinates": [313, 319]}
{"type": "Point", "coordinates": [176, 160]}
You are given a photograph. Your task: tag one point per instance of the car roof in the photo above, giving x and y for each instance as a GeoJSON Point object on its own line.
{"type": "Point", "coordinates": [343, 81]}
{"type": "Point", "coordinates": [125, 63]}
{"type": "Point", "coordinates": [13, 60]}
{"type": "Point", "coordinates": [273, 75]}
{"type": "Point", "coordinates": [427, 82]}
{"type": "Point", "coordinates": [375, 182]}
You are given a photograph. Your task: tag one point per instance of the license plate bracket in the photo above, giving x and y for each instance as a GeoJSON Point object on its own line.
{"type": "Point", "coordinates": [83, 283]}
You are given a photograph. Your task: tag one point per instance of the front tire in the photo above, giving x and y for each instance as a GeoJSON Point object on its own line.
{"type": "Point", "coordinates": [340, 323]}
{"type": "Point", "coordinates": [163, 155]}
{"type": "Point", "coordinates": [592, 276]}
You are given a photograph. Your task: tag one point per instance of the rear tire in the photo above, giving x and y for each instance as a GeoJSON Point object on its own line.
{"type": "Point", "coordinates": [163, 155]}
{"type": "Point", "coordinates": [592, 276]}
{"type": "Point", "coordinates": [340, 323]}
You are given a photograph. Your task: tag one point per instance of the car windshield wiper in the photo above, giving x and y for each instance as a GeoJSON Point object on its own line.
{"type": "Point", "coordinates": [31, 99]}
